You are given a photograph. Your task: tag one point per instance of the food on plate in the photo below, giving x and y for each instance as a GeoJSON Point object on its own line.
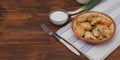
{"type": "Point", "coordinates": [93, 27]}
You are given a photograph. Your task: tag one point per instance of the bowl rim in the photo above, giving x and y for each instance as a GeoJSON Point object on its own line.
{"type": "Point", "coordinates": [88, 40]}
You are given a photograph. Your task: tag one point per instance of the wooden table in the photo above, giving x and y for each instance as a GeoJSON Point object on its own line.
{"type": "Point", "coordinates": [21, 37]}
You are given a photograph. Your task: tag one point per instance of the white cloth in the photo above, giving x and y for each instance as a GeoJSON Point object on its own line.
{"type": "Point", "coordinates": [101, 51]}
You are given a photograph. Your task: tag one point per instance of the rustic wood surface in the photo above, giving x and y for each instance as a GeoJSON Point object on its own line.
{"type": "Point", "coordinates": [21, 37]}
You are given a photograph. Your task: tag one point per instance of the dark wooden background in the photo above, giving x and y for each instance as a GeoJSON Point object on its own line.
{"type": "Point", "coordinates": [21, 37]}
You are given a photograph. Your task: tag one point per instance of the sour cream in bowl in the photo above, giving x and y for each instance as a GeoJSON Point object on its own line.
{"type": "Point", "coordinates": [58, 16]}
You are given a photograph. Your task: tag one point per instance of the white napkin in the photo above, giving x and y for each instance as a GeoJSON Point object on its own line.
{"type": "Point", "coordinates": [101, 51]}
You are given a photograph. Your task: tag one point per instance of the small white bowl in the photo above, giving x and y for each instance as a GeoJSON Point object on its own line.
{"type": "Point", "coordinates": [58, 16]}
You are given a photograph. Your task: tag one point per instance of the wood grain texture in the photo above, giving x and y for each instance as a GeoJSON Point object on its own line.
{"type": "Point", "coordinates": [21, 37]}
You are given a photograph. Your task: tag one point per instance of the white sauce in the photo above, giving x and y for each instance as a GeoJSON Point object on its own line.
{"type": "Point", "coordinates": [58, 16]}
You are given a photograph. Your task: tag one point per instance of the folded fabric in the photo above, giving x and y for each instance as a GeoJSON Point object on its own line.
{"type": "Point", "coordinates": [100, 51]}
